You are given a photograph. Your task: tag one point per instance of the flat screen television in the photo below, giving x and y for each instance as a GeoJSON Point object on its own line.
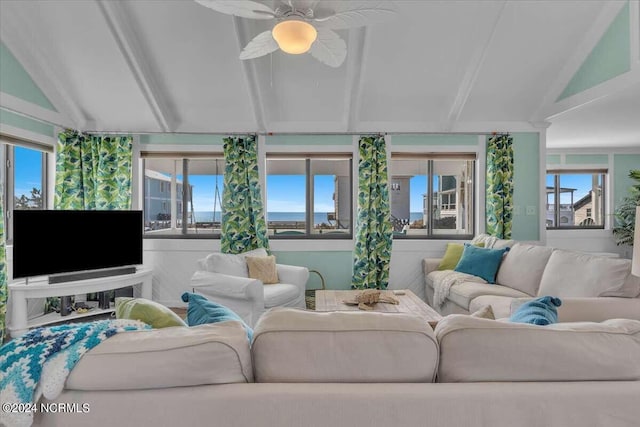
{"type": "Point", "coordinates": [51, 242]}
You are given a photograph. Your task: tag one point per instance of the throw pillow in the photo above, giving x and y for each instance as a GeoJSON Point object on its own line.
{"type": "Point", "coordinates": [485, 312]}
{"type": "Point", "coordinates": [201, 311]}
{"type": "Point", "coordinates": [481, 262]}
{"type": "Point", "coordinates": [540, 311]}
{"type": "Point", "coordinates": [147, 311]}
{"type": "Point", "coordinates": [263, 268]}
{"type": "Point", "coordinates": [453, 254]}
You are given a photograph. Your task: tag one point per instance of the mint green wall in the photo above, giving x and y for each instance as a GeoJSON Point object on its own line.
{"type": "Point", "coordinates": [309, 140]}
{"type": "Point", "coordinates": [609, 58]}
{"type": "Point", "coordinates": [622, 164]}
{"type": "Point", "coordinates": [586, 159]}
{"type": "Point", "coordinates": [554, 159]}
{"type": "Point", "coordinates": [22, 122]}
{"type": "Point", "coordinates": [335, 266]}
{"type": "Point", "coordinates": [15, 81]}
{"type": "Point", "coordinates": [434, 140]}
{"type": "Point", "coordinates": [182, 138]}
{"type": "Point", "coordinates": [526, 185]}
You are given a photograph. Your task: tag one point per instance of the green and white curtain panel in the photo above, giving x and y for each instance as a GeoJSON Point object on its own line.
{"type": "Point", "coordinates": [243, 224]}
{"type": "Point", "coordinates": [3, 275]}
{"type": "Point", "coordinates": [499, 199]}
{"type": "Point", "coordinates": [372, 252]}
{"type": "Point", "coordinates": [92, 173]}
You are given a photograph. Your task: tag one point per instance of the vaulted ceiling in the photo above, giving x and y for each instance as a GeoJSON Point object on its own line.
{"type": "Point", "coordinates": [438, 66]}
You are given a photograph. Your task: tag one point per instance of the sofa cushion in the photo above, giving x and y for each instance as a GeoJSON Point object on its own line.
{"type": "Point", "coordinates": [480, 262]}
{"type": "Point", "coordinates": [523, 266]}
{"type": "Point", "coordinates": [474, 350]}
{"type": "Point", "coordinates": [463, 293]}
{"type": "Point", "coordinates": [576, 274]}
{"type": "Point", "coordinates": [169, 357]}
{"type": "Point", "coordinates": [500, 305]}
{"type": "Point", "coordinates": [231, 264]}
{"type": "Point", "coordinates": [292, 345]}
{"type": "Point", "coordinates": [540, 311]}
{"type": "Point", "coordinates": [280, 294]}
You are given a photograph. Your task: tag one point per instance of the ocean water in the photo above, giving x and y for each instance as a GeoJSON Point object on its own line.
{"type": "Point", "coordinates": [318, 217]}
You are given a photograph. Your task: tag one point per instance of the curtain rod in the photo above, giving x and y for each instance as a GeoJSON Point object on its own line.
{"type": "Point", "coordinates": [292, 133]}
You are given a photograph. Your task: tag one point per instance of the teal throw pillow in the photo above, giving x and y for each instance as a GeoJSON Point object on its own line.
{"type": "Point", "coordinates": [540, 311]}
{"type": "Point", "coordinates": [202, 311]}
{"type": "Point", "coordinates": [481, 262]}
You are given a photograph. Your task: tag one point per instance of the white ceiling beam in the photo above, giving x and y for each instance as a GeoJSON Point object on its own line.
{"type": "Point", "coordinates": [250, 76]}
{"type": "Point", "coordinates": [466, 85]}
{"type": "Point", "coordinates": [42, 69]}
{"type": "Point", "coordinates": [122, 30]}
{"type": "Point", "coordinates": [358, 52]}
{"type": "Point", "coordinates": [549, 108]}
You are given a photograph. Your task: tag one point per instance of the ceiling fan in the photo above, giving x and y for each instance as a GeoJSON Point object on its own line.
{"type": "Point", "coordinates": [304, 25]}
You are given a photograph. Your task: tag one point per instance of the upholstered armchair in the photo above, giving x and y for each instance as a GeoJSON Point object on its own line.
{"type": "Point", "coordinates": [224, 278]}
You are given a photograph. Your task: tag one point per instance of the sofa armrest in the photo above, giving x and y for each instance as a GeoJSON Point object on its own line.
{"type": "Point", "coordinates": [293, 275]}
{"type": "Point", "coordinates": [430, 264]}
{"type": "Point", "coordinates": [598, 309]}
{"type": "Point", "coordinates": [243, 295]}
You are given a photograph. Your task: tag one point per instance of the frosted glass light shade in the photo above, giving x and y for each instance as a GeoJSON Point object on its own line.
{"type": "Point", "coordinates": [635, 263]}
{"type": "Point", "coordinates": [294, 36]}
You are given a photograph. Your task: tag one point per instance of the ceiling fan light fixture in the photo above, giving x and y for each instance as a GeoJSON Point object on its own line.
{"type": "Point", "coordinates": [294, 36]}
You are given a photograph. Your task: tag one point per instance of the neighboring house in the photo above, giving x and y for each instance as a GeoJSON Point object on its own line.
{"type": "Point", "coordinates": [157, 199]}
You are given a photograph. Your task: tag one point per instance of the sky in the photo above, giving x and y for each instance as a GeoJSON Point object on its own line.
{"type": "Point", "coordinates": [27, 170]}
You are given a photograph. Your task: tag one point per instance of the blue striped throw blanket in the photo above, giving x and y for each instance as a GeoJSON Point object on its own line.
{"type": "Point", "coordinates": [38, 362]}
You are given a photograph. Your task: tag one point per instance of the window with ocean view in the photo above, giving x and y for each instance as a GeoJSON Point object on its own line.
{"type": "Point", "coordinates": [183, 194]}
{"type": "Point", "coordinates": [309, 196]}
{"type": "Point", "coordinates": [575, 199]}
{"type": "Point", "coordinates": [25, 181]}
{"type": "Point", "coordinates": [432, 196]}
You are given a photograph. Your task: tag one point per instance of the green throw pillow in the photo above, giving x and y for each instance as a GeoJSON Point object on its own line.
{"type": "Point", "coordinates": [150, 312]}
{"type": "Point", "coordinates": [452, 255]}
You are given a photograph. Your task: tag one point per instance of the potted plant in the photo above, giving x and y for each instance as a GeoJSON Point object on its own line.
{"type": "Point", "coordinates": [625, 213]}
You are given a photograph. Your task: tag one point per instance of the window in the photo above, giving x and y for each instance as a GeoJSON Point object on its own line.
{"type": "Point", "coordinates": [575, 199]}
{"type": "Point", "coordinates": [309, 196]}
{"type": "Point", "coordinates": [432, 196]}
{"type": "Point", "coordinates": [182, 194]}
{"type": "Point", "coordinates": [25, 178]}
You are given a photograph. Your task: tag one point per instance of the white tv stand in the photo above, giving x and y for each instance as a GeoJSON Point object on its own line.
{"type": "Point", "coordinates": [20, 292]}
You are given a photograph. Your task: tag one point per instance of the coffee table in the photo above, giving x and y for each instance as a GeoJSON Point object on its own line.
{"type": "Point", "coordinates": [329, 300]}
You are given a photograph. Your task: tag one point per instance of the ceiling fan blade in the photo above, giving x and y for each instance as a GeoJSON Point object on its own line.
{"type": "Point", "coordinates": [261, 45]}
{"type": "Point", "coordinates": [363, 14]}
{"type": "Point", "coordinates": [329, 48]}
{"type": "Point", "coordinates": [241, 8]}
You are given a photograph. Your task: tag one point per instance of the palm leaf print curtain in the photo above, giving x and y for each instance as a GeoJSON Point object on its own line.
{"type": "Point", "coordinates": [3, 275]}
{"type": "Point", "coordinates": [372, 252]}
{"type": "Point", "coordinates": [499, 200]}
{"type": "Point", "coordinates": [92, 173]}
{"type": "Point", "coordinates": [243, 224]}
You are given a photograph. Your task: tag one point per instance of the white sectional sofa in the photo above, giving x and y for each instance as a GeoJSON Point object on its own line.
{"type": "Point", "coordinates": [591, 287]}
{"type": "Point", "coordinates": [360, 369]}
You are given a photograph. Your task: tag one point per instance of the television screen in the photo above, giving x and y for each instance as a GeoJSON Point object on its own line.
{"type": "Point", "coordinates": [51, 242]}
